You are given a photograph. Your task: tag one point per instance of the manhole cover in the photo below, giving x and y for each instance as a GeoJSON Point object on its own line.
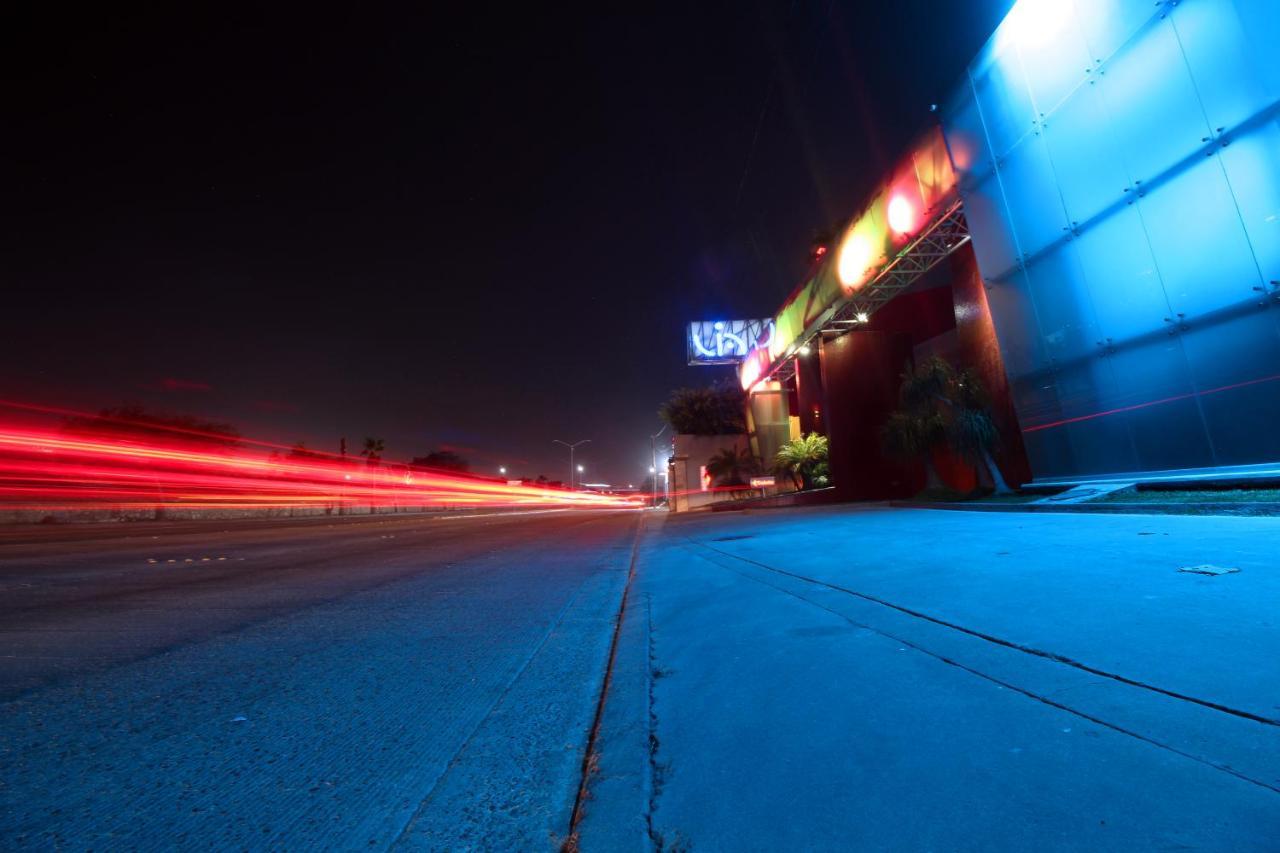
{"type": "Point", "coordinates": [1209, 570]}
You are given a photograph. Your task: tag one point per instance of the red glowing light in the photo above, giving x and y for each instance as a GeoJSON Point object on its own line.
{"type": "Point", "coordinates": [1162, 400]}
{"type": "Point", "coordinates": [55, 469]}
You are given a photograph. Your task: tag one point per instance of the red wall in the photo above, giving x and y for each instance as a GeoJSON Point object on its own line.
{"type": "Point", "coordinates": [811, 398]}
{"type": "Point", "coordinates": [859, 378]}
{"type": "Point", "coordinates": [860, 373]}
{"type": "Point", "coordinates": [977, 347]}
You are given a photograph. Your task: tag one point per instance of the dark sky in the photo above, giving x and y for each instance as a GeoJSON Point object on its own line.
{"type": "Point", "coordinates": [479, 227]}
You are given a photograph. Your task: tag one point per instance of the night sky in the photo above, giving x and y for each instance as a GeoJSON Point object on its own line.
{"type": "Point", "coordinates": [478, 228]}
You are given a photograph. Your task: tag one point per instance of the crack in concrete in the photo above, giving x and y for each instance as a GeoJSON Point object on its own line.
{"type": "Point", "coordinates": [1000, 641]}
{"type": "Point", "coordinates": [590, 758]}
{"type": "Point", "coordinates": [401, 838]}
{"type": "Point", "coordinates": [1223, 768]}
{"type": "Point", "coordinates": [656, 770]}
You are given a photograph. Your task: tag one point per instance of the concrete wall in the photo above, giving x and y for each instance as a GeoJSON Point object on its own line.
{"type": "Point", "coordinates": [691, 453]}
{"type": "Point", "coordinates": [770, 421]}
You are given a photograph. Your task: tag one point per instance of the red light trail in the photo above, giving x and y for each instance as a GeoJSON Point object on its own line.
{"type": "Point", "coordinates": [1137, 406]}
{"type": "Point", "coordinates": [50, 469]}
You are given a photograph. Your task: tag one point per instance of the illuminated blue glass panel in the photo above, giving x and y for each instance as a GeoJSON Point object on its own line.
{"type": "Point", "coordinates": [1085, 159]}
{"type": "Point", "coordinates": [1057, 286]}
{"type": "Point", "coordinates": [1143, 334]}
{"type": "Point", "coordinates": [1081, 370]}
{"type": "Point", "coordinates": [985, 211]}
{"type": "Point", "coordinates": [1252, 163]}
{"type": "Point", "coordinates": [967, 139]}
{"type": "Point", "coordinates": [1200, 247]}
{"type": "Point", "coordinates": [1240, 397]}
{"type": "Point", "coordinates": [1167, 433]}
{"type": "Point", "coordinates": [1049, 449]}
{"type": "Point", "coordinates": [1011, 306]}
{"type": "Point", "coordinates": [1123, 279]}
{"type": "Point", "coordinates": [1260, 20]}
{"type": "Point", "coordinates": [1035, 205]}
{"type": "Point", "coordinates": [1217, 53]}
{"type": "Point", "coordinates": [1098, 443]}
{"type": "Point", "coordinates": [1002, 93]}
{"type": "Point", "coordinates": [1152, 109]}
{"type": "Point", "coordinates": [1056, 61]}
{"type": "Point", "coordinates": [1108, 24]}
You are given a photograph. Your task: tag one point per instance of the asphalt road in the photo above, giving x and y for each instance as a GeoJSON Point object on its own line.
{"type": "Point", "coordinates": [419, 682]}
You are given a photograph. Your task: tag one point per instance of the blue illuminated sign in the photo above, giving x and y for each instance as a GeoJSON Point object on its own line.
{"type": "Point", "coordinates": [726, 341]}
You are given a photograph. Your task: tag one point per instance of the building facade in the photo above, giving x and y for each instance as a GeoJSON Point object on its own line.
{"type": "Point", "coordinates": [1095, 227]}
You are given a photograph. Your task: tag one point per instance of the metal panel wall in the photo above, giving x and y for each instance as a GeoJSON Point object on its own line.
{"type": "Point", "coordinates": [1119, 163]}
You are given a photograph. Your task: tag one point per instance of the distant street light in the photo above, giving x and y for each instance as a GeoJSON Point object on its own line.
{"type": "Point", "coordinates": [654, 469]}
{"type": "Point", "coordinates": [571, 447]}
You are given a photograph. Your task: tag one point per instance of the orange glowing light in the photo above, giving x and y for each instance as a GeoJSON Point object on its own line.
{"type": "Point", "coordinates": [902, 216]}
{"type": "Point", "coordinates": [856, 255]}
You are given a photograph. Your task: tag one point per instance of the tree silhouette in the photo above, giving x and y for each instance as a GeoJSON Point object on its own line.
{"type": "Point", "coordinates": [134, 421]}
{"type": "Point", "coordinates": [442, 460]}
{"type": "Point", "coordinates": [732, 466]}
{"type": "Point", "coordinates": [373, 448]}
{"type": "Point", "coordinates": [939, 406]}
{"type": "Point", "coordinates": [300, 451]}
{"type": "Point", "coordinates": [717, 410]}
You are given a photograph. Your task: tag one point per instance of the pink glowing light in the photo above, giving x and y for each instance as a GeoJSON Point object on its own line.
{"type": "Point", "coordinates": [56, 469]}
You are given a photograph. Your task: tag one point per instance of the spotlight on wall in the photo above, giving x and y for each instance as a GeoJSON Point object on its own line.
{"type": "Point", "coordinates": [856, 255]}
{"type": "Point", "coordinates": [1035, 24]}
{"type": "Point", "coordinates": [902, 216]}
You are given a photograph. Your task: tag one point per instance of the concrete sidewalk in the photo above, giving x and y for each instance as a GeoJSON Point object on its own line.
{"type": "Point", "coordinates": [892, 679]}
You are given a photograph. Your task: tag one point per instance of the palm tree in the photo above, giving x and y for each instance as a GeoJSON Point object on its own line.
{"type": "Point", "coordinates": [940, 406]}
{"type": "Point", "coordinates": [733, 466]}
{"type": "Point", "coordinates": [971, 431]}
{"type": "Point", "coordinates": [909, 435]}
{"type": "Point", "coordinates": [373, 448]}
{"type": "Point", "coordinates": [804, 459]}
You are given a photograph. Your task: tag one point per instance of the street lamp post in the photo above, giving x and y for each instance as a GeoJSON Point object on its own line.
{"type": "Point", "coordinates": [571, 447]}
{"type": "Point", "coordinates": [653, 439]}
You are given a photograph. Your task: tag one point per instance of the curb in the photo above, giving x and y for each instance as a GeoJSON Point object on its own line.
{"type": "Point", "coordinates": [1253, 508]}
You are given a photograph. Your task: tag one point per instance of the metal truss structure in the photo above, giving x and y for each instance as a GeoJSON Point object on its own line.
{"type": "Point", "coordinates": [944, 235]}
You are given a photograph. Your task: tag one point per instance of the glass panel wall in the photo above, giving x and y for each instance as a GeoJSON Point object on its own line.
{"type": "Point", "coordinates": [1120, 164]}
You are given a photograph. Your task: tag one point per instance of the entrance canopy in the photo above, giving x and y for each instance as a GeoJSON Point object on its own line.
{"type": "Point", "coordinates": [913, 221]}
